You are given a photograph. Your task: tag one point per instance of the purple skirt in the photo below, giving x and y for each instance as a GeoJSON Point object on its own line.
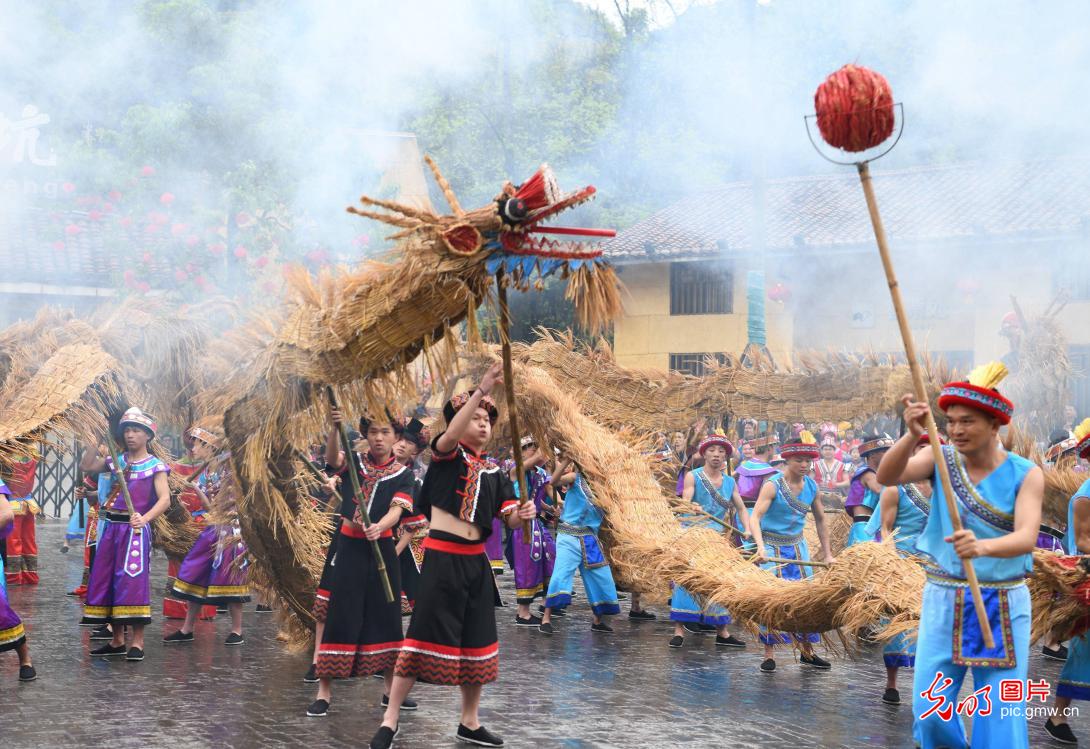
{"type": "Point", "coordinates": [493, 546]}
{"type": "Point", "coordinates": [533, 562]}
{"type": "Point", "coordinates": [119, 586]}
{"type": "Point", "coordinates": [11, 626]}
{"type": "Point", "coordinates": [209, 573]}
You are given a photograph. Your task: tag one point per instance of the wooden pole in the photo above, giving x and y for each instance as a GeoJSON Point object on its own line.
{"type": "Point", "coordinates": [115, 456]}
{"type": "Point", "coordinates": [512, 411]}
{"type": "Point", "coordinates": [921, 394]}
{"type": "Point", "coordinates": [803, 562]}
{"type": "Point", "coordinates": [361, 502]}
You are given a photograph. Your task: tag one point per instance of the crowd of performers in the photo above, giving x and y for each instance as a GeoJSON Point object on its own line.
{"type": "Point", "coordinates": [437, 518]}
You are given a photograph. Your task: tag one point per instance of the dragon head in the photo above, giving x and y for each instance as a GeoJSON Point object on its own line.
{"type": "Point", "coordinates": [510, 238]}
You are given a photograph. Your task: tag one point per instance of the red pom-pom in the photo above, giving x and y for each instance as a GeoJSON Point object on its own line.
{"type": "Point", "coordinates": [854, 109]}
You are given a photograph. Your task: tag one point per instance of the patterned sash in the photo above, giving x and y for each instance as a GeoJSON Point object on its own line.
{"type": "Point", "coordinates": [792, 501]}
{"type": "Point", "coordinates": [970, 498]}
{"type": "Point", "coordinates": [715, 495]}
{"type": "Point", "coordinates": [916, 497]}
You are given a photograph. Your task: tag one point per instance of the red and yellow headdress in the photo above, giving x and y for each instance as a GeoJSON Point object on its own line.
{"type": "Point", "coordinates": [979, 392]}
{"type": "Point", "coordinates": [1082, 434]}
{"type": "Point", "coordinates": [803, 447]}
{"type": "Point", "coordinates": [715, 439]}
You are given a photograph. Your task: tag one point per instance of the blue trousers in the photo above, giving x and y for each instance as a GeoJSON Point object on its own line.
{"type": "Point", "coordinates": [800, 551]}
{"type": "Point", "coordinates": [597, 578]}
{"type": "Point", "coordinates": [934, 654]}
{"type": "Point", "coordinates": [1075, 677]}
{"type": "Point", "coordinates": [686, 608]}
{"type": "Point", "coordinates": [899, 652]}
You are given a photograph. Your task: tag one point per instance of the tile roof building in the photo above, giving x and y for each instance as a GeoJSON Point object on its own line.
{"type": "Point", "coordinates": [965, 237]}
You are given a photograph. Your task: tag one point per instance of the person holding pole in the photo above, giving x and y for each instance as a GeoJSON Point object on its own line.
{"type": "Point", "coordinates": [119, 589]}
{"type": "Point", "coordinates": [452, 634]}
{"type": "Point", "coordinates": [777, 525]}
{"type": "Point", "coordinates": [362, 632]}
{"type": "Point", "coordinates": [997, 496]}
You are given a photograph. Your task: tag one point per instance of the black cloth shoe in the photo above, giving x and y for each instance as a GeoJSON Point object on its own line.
{"type": "Point", "coordinates": [530, 621]}
{"type": "Point", "coordinates": [556, 612]}
{"type": "Point", "coordinates": [676, 641]}
{"type": "Point", "coordinates": [179, 636]}
{"type": "Point", "coordinates": [768, 665]}
{"type": "Point", "coordinates": [693, 627]}
{"type": "Point", "coordinates": [318, 709]}
{"type": "Point", "coordinates": [1059, 654]}
{"type": "Point", "coordinates": [64, 549]}
{"type": "Point", "coordinates": [545, 628]}
{"type": "Point", "coordinates": [642, 615]}
{"type": "Point", "coordinates": [102, 633]}
{"type": "Point", "coordinates": [234, 639]}
{"type": "Point", "coordinates": [481, 737]}
{"type": "Point", "coordinates": [27, 673]}
{"type": "Point", "coordinates": [264, 609]}
{"type": "Point", "coordinates": [1060, 732]}
{"type": "Point", "coordinates": [384, 737]}
{"type": "Point", "coordinates": [815, 661]}
{"type": "Point", "coordinates": [406, 704]}
{"type": "Point", "coordinates": [601, 627]}
{"type": "Point", "coordinates": [134, 654]}
{"type": "Point", "coordinates": [706, 628]}
{"type": "Point", "coordinates": [729, 642]}
{"type": "Point", "coordinates": [310, 677]}
{"type": "Point", "coordinates": [891, 697]}
{"type": "Point", "coordinates": [109, 650]}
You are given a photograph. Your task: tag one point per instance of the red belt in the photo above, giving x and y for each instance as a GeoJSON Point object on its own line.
{"type": "Point", "coordinates": [352, 530]}
{"type": "Point", "coordinates": [450, 547]}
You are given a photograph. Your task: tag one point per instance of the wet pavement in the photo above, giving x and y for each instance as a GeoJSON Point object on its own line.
{"type": "Point", "coordinates": [576, 689]}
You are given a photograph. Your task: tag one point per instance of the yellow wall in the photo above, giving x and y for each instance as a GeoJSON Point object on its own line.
{"type": "Point", "coordinates": [647, 334]}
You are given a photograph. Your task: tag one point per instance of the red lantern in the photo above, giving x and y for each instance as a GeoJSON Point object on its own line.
{"type": "Point", "coordinates": [180, 275]}
{"type": "Point", "coordinates": [72, 230]}
{"type": "Point", "coordinates": [95, 215]}
{"type": "Point", "coordinates": [243, 220]}
{"type": "Point", "coordinates": [192, 240]}
{"type": "Point", "coordinates": [217, 248]}
{"type": "Point", "coordinates": [779, 293]}
{"type": "Point", "coordinates": [854, 108]}
{"type": "Point", "coordinates": [143, 287]}
{"type": "Point", "coordinates": [58, 245]}
{"type": "Point", "coordinates": [177, 230]}
{"type": "Point", "coordinates": [166, 198]}
{"type": "Point", "coordinates": [129, 276]}
{"type": "Point", "coordinates": [147, 257]}
{"type": "Point", "coordinates": [68, 187]}
{"type": "Point", "coordinates": [262, 261]}
{"type": "Point", "coordinates": [114, 195]}
{"type": "Point", "coordinates": [240, 252]}
{"type": "Point", "coordinates": [147, 171]}
{"type": "Point", "coordinates": [125, 221]}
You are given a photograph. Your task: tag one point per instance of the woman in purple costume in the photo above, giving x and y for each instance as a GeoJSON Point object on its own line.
{"type": "Point", "coordinates": [212, 573]}
{"type": "Point", "coordinates": [12, 636]}
{"type": "Point", "coordinates": [532, 562]}
{"type": "Point", "coordinates": [119, 588]}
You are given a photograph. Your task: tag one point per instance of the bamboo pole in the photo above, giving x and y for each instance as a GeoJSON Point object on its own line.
{"type": "Point", "coordinates": [803, 562]}
{"type": "Point", "coordinates": [921, 393]}
{"type": "Point", "coordinates": [115, 456]}
{"type": "Point", "coordinates": [512, 411]}
{"type": "Point", "coordinates": [350, 466]}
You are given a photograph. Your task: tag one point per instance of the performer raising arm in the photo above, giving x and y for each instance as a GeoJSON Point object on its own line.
{"type": "Point", "coordinates": [452, 633]}
{"type": "Point", "coordinates": [999, 499]}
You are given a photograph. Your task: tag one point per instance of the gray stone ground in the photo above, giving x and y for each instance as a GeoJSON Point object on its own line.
{"type": "Point", "coordinates": [574, 690]}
